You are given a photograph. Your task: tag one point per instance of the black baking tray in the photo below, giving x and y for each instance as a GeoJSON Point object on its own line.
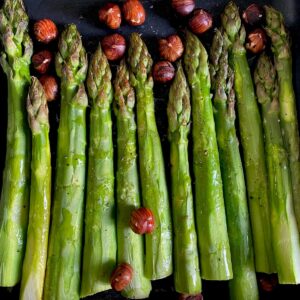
{"type": "Point", "coordinates": [160, 21]}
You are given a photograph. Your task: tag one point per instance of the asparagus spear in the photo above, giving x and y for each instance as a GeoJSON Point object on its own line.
{"type": "Point", "coordinates": [215, 260]}
{"type": "Point", "coordinates": [243, 285]}
{"type": "Point", "coordinates": [252, 141]}
{"type": "Point", "coordinates": [64, 256]}
{"type": "Point", "coordinates": [285, 236]}
{"type": "Point", "coordinates": [130, 245]}
{"type": "Point", "coordinates": [15, 61]}
{"type": "Point", "coordinates": [34, 265]}
{"type": "Point", "coordinates": [152, 171]}
{"type": "Point", "coordinates": [100, 246]}
{"type": "Point", "coordinates": [186, 260]}
{"type": "Point", "coordinates": [288, 115]}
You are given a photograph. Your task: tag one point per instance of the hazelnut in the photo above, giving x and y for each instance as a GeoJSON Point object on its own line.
{"type": "Point", "coordinates": [45, 31]}
{"type": "Point", "coordinates": [267, 282]}
{"type": "Point", "coordinates": [253, 14]}
{"type": "Point", "coordinates": [163, 71]}
{"type": "Point", "coordinates": [190, 297]}
{"type": "Point", "coordinates": [171, 48]}
{"type": "Point", "coordinates": [200, 21]}
{"type": "Point", "coordinates": [41, 61]}
{"type": "Point", "coordinates": [142, 221]}
{"type": "Point", "coordinates": [113, 46]}
{"type": "Point", "coordinates": [134, 12]}
{"type": "Point", "coordinates": [257, 40]}
{"type": "Point", "coordinates": [183, 7]}
{"type": "Point", "coordinates": [110, 14]}
{"type": "Point", "coordinates": [121, 277]}
{"type": "Point", "coordinates": [50, 86]}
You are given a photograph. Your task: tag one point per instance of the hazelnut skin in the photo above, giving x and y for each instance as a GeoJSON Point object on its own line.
{"type": "Point", "coordinates": [183, 7]}
{"type": "Point", "coordinates": [200, 21]}
{"type": "Point", "coordinates": [41, 61]}
{"type": "Point", "coordinates": [114, 46]}
{"type": "Point", "coordinates": [110, 14]}
{"type": "Point", "coordinates": [121, 277]}
{"type": "Point", "coordinates": [134, 12]}
{"type": "Point", "coordinates": [45, 31]}
{"type": "Point", "coordinates": [171, 48]}
{"type": "Point", "coordinates": [50, 86]}
{"type": "Point", "coordinates": [257, 40]}
{"type": "Point", "coordinates": [142, 220]}
{"type": "Point", "coordinates": [253, 14]}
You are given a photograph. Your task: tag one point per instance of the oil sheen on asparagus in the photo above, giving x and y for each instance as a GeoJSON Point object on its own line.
{"type": "Point", "coordinates": [152, 170]}
{"type": "Point", "coordinates": [64, 253]}
{"type": "Point", "coordinates": [130, 244]}
{"type": "Point", "coordinates": [285, 235]}
{"type": "Point", "coordinates": [250, 127]}
{"type": "Point", "coordinates": [243, 285]}
{"type": "Point", "coordinates": [215, 259]}
{"type": "Point", "coordinates": [100, 247]}
{"type": "Point", "coordinates": [186, 260]}
{"type": "Point", "coordinates": [34, 265]}
{"type": "Point", "coordinates": [14, 203]}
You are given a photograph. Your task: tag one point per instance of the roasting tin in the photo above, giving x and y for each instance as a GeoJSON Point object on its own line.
{"type": "Point", "coordinates": [160, 21]}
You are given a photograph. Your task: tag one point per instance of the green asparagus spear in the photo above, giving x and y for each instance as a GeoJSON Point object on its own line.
{"type": "Point", "coordinates": [243, 285]}
{"type": "Point", "coordinates": [130, 244]}
{"type": "Point", "coordinates": [64, 256]}
{"type": "Point", "coordinates": [100, 246]}
{"type": "Point", "coordinates": [186, 260]}
{"type": "Point", "coordinates": [285, 236]}
{"type": "Point", "coordinates": [152, 170]}
{"type": "Point", "coordinates": [34, 265]}
{"type": "Point", "coordinates": [215, 260]}
{"type": "Point", "coordinates": [15, 61]}
{"type": "Point", "coordinates": [252, 141]}
{"type": "Point", "coordinates": [288, 115]}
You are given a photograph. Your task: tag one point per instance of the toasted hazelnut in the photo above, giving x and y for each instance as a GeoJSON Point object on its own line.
{"type": "Point", "coordinates": [200, 21]}
{"type": "Point", "coordinates": [142, 220]}
{"type": "Point", "coordinates": [41, 61]}
{"type": "Point", "coordinates": [253, 14]}
{"type": "Point", "coordinates": [163, 71]}
{"type": "Point", "coordinates": [134, 12]}
{"type": "Point", "coordinates": [45, 31]}
{"type": "Point", "coordinates": [190, 297]}
{"type": "Point", "coordinates": [267, 282]}
{"type": "Point", "coordinates": [121, 277]}
{"type": "Point", "coordinates": [257, 40]}
{"type": "Point", "coordinates": [110, 14]}
{"type": "Point", "coordinates": [183, 7]}
{"type": "Point", "coordinates": [171, 48]}
{"type": "Point", "coordinates": [114, 46]}
{"type": "Point", "coordinates": [50, 86]}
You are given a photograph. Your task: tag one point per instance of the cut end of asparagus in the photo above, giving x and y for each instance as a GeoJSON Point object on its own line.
{"type": "Point", "coordinates": [139, 59]}
{"type": "Point", "coordinates": [71, 59]}
{"type": "Point", "coordinates": [37, 107]}
{"type": "Point", "coordinates": [231, 20]}
{"type": "Point", "coordinates": [179, 106]}
{"type": "Point", "coordinates": [99, 80]}
{"type": "Point", "coordinates": [276, 30]}
{"type": "Point", "coordinates": [124, 92]}
{"type": "Point", "coordinates": [265, 80]}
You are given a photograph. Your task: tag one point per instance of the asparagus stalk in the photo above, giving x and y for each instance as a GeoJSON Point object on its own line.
{"type": "Point", "coordinates": [285, 236]}
{"type": "Point", "coordinates": [186, 260]}
{"type": "Point", "coordinates": [252, 141]}
{"type": "Point", "coordinates": [100, 246]}
{"type": "Point", "coordinates": [34, 265]}
{"type": "Point", "coordinates": [288, 115]}
{"type": "Point", "coordinates": [243, 285]}
{"type": "Point", "coordinates": [215, 259]}
{"type": "Point", "coordinates": [130, 245]}
{"type": "Point", "coordinates": [153, 180]}
{"type": "Point", "coordinates": [64, 256]}
{"type": "Point", "coordinates": [15, 61]}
